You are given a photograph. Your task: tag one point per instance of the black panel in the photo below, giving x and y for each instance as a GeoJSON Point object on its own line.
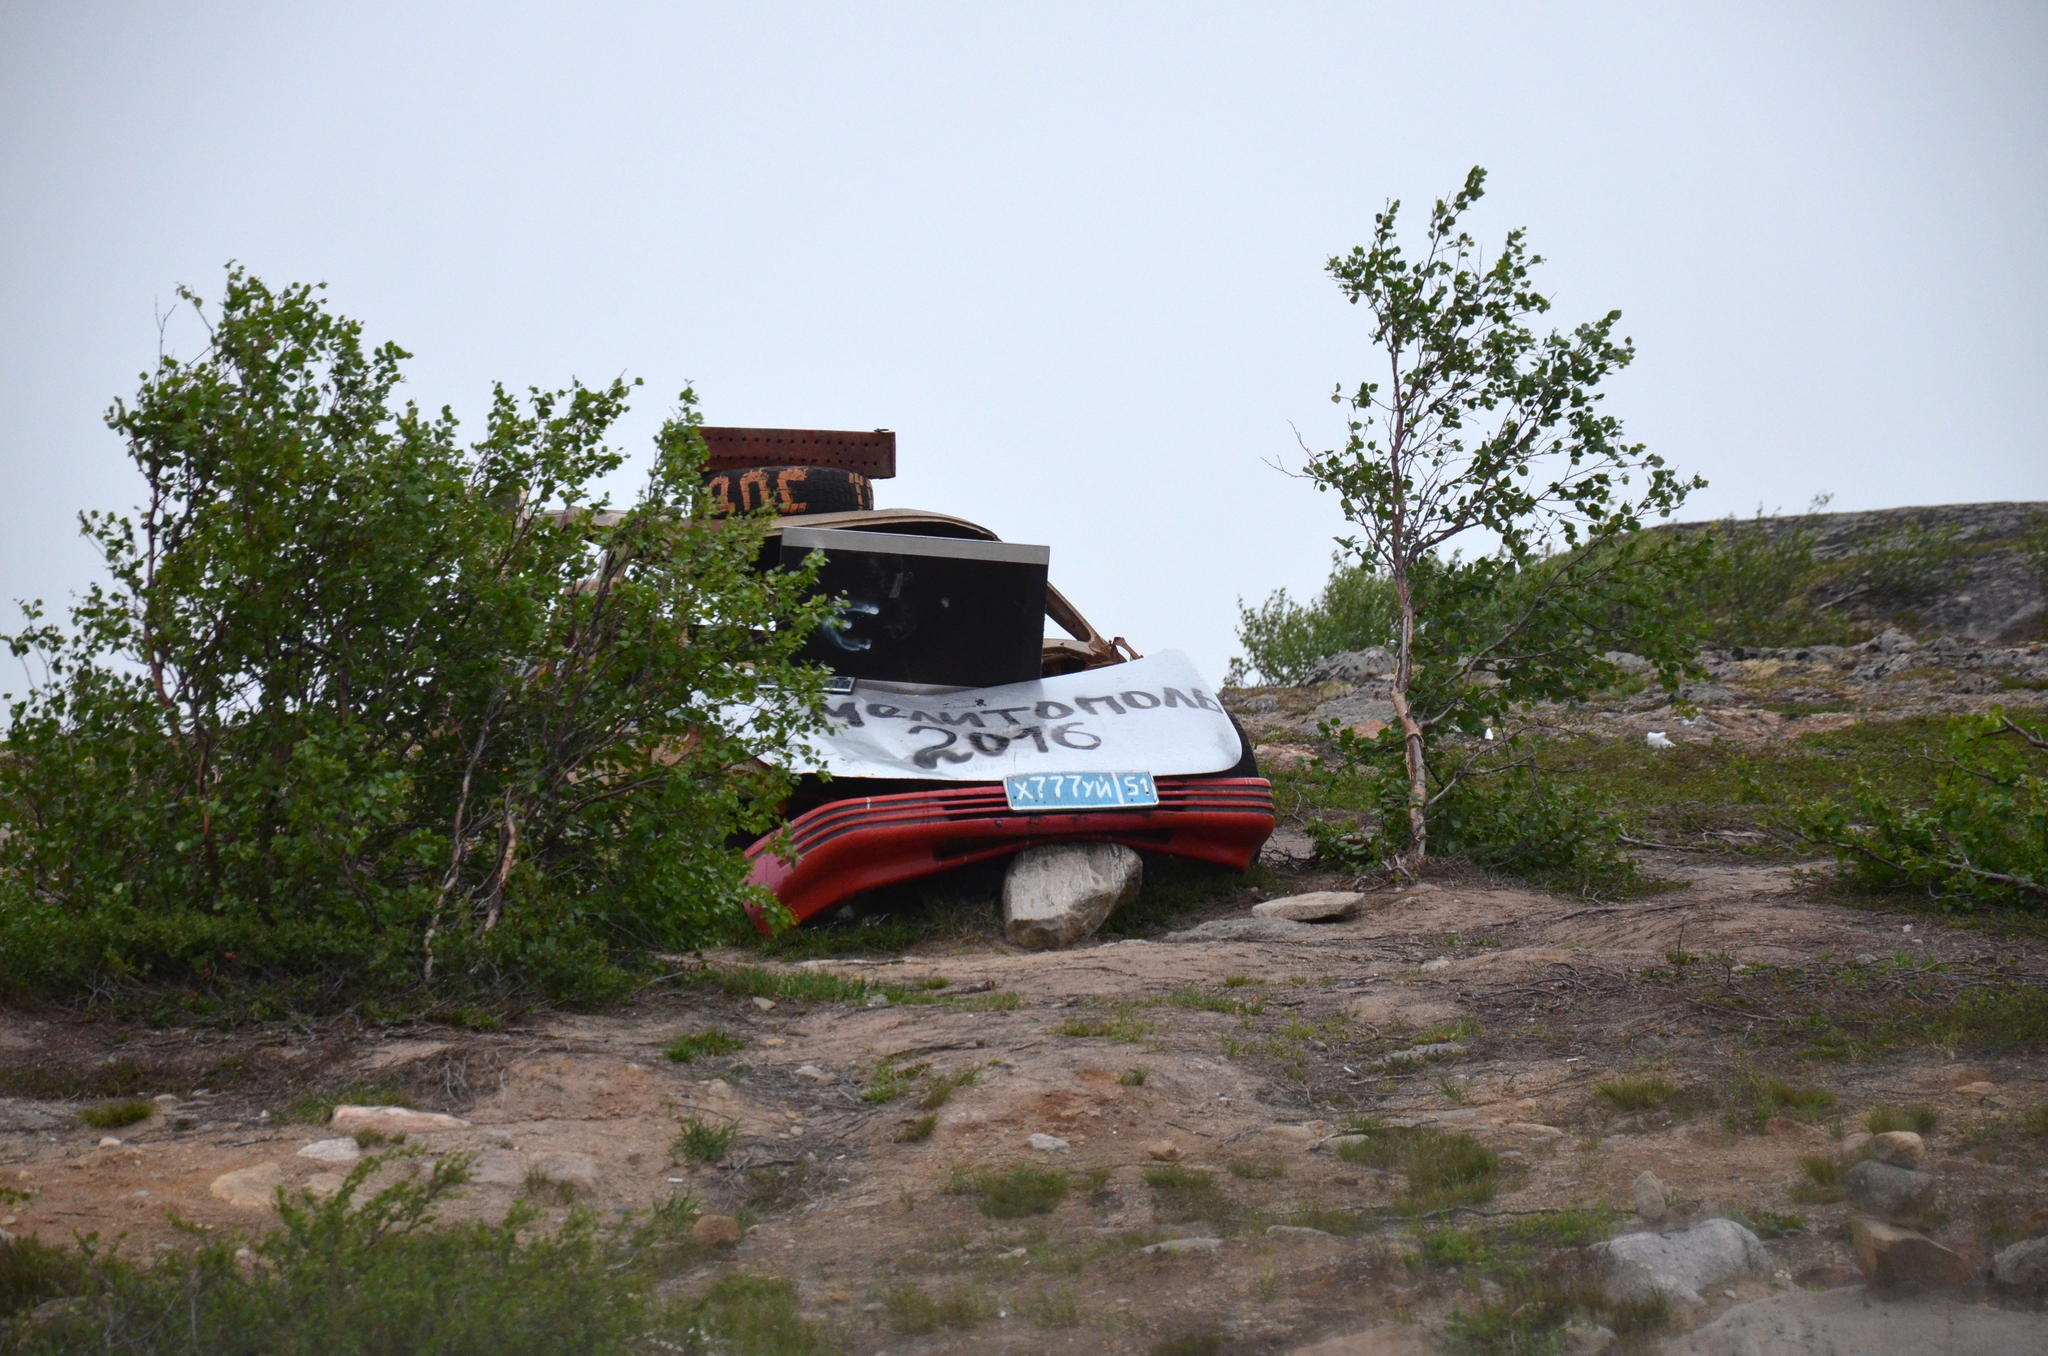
{"type": "Point", "coordinates": [927, 609]}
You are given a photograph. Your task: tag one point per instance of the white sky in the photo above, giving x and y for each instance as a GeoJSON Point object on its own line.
{"type": "Point", "coordinates": [1072, 254]}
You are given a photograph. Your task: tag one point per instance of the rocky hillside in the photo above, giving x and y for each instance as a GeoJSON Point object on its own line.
{"type": "Point", "coordinates": [1972, 571]}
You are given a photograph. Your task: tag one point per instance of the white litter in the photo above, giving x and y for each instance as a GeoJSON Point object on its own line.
{"type": "Point", "coordinates": [1656, 739]}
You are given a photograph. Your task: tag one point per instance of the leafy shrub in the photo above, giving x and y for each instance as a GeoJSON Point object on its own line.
{"type": "Point", "coordinates": [1984, 840]}
{"type": "Point", "coordinates": [361, 712]}
{"type": "Point", "coordinates": [356, 1276]}
{"type": "Point", "coordinates": [1283, 639]}
{"type": "Point", "coordinates": [701, 1142]}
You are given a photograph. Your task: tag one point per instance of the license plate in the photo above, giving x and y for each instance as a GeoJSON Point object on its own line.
{"type": "Point", "coordinates": [1032, 791]}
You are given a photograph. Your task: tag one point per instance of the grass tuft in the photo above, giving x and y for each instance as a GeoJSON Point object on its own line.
{"type": "Point", "coordinates": [114, 1115]}
{"type": "Point", "coordinates": [1637, 1093]}
{"type": "Point", "coordinates": [699, 1142]}
{"type": "Point", "coordinates": [1823, 1184]}
{"type": "Point", "coordinates": [1131, 1078]}
{"type": "Point", "coordinates": [1921, 1120]}
{"type": "Point", "coordinates": [1443, 1168]}
{"type": "Point", "coordinates": [1014, 1194]}
{"type": "Point", "coordinates": [1755, 1098]}
{"type": "Point", "coordinates": [697, 1045]}
{"type": "Point", "coordinates": [1257, 1169]}
{"type": "Point", "coordinates": [917, 1131]}
{"type": "Point", "coordinates": [911, 1310]}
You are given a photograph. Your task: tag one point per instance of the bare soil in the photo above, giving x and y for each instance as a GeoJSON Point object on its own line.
{"type": "Point", "coordinates": [1563, 994]}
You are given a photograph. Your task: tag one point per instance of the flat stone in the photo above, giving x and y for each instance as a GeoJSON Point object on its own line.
{"type": "Point", "coordinates": [1900, 1148]}
{"type": "Point", "coordinates": [19, 1113]}
{"type": "Point", "coordinates": [814, 1074]}
{"type": "Point", "coordinates": [1858, 1322]}
{"type": "Point", "coordinates": [249, 1188]}
{"type": "Point", "coordinates": [1053, 896]}
{"type": "Point", "coordinates": [1045, 1143]}
{"type": "Point", "coordinates": [1652, 1199]}
{"type": "Point", "coordinates": [1322, 906]}
{"type": "Point", "coordinates": [1184, 1245]}
{"type": "Point", "coordinates": [1244, 930]}
{"type": "Point", "coordinates": [1680, 1265]}
{"type": "Point", "coordinates": [1163, 1151]}
{"type": "Point", "coordinates": [322, 1185]}
{"type": "Point", "coordinates": [715, 1231]}
{"type": "Point", "coordinates": [1389, 1339]}
{"type": "Point", "coordinates": [393, 1120]}
{"type": "Point", "coordinates": [1902, 1261]}
{"type": "Point", "coordinates": [1440, 963]}
{"type": "Point", "coordinates": [765, 1004]}
{"type": "Point", "coordinates": [1296, 1231]}
{"type": "Point", "coordinates": [332, 1151]}
{"type": "Point", "coordinates": [569, 1169]}
{"type": "Point", "coordinates": [1419, 1054]}
{"type": "Point", "coordinates": [1897, 1195]}
{"type": "Point", "coordinates": [2023, 1266]}
{"type": "Point", "coordinates": [1536, 1130]}
{"type": "Point", "coordinates": [499, 1167]}
{"type": "Point", "coordinates": [109, 1142]}
{"type": "Point", "coordinates": [1337, 1144]}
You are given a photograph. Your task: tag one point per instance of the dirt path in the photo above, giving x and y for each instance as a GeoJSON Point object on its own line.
{"type": "Point", "coordinates": [1252, 1053]}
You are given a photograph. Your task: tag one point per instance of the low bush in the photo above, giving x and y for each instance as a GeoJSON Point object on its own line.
{"type": "Point", "coordinates": [698, 1045]}
{"type": "Point", "coordinates": [1443, 1168]}
{"type": "Point", "coordinates": [701, 1142]}
{"type": "Point", "coordinates": [363, 1275]}
{"type": "Point", "coordinates": [114, 1115]}
{"type": "Point", "coordinates": [1014, 1194]}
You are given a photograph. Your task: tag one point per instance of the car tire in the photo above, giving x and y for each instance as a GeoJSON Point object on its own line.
{"type": "Point", "coordinates": [791, 489]}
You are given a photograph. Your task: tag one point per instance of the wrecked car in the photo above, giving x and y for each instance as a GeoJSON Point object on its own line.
{"type": "Point", "coordinates": [958, 731]}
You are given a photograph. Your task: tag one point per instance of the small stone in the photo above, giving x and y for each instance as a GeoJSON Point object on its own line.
{"type": "Point", "coordinates": [1898, 1195]}
{"type": "Point", "coordinates": [109, 1142]}
{"type": "Point", "coordinates": [765, 1004]}
{"type": "Point", "coordinates": [1440, 963]}
{"type": "Point", "coordinates": [1651, 1199]}
{"type": "Point", "coordinates": [1900, 1260]}
{"type": "Point", "coordinates": [1163, 1150]}
{"type": "Point", "coordinates": [332, 1151]}
{"type": "Point", "coordinates": [1853, 1144]}
{"type": "Point", "coordinates": [816, 1075]}
{"type": "Point", "coordinates": [2023, 1266]}
{"type": "Point", "coordinates": [393, 1120]}
{"type": "Point", "coordinates": [1337, 1144]}
{"type": "Point", "coordinates": [715, 1231]}
{"type": "Point", "coordinates": [718, 1087]}
{"type": "Point", "coordinates": [1051, 1144]}
{"type": "Point", "coordinates": [1055, 895]}
{"type": "Point", "coordinates": [1900, 1148]}
{"type": "Point", "coordinates": [248, 1188]}
{"type": "Point", "coordinates": [1295, 1231]}
{"type": "Point", "coordinates": [1977, 1089]}
{"type": "Point", "coordinates": [1184, 1245]}
{"type": "Point", "coordinates": [1531, 1128]}
{"type": "Point", "coordinates": [1323, 906]}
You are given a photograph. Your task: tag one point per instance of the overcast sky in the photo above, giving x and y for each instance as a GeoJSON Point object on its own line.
{"type": "Point", "coordinates": [1072, 254]}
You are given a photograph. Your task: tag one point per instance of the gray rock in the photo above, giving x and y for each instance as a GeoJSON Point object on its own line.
{"type": "Point", "coordinates": [1898, 1195]}
{"type": "Point", "coordinates": [1353, 709]}
{"type": "Point", "coordinates": [1322, 906]}
{"type": "Point", "coordinates": [1295, 1231]}
{"type": "Point", "coordinates": [1900, 1148]}
{"type": "Point", "coordinates": [1054, 896]}
{"type": "Point", "coordinates": [1856, 1322]}
{"type": "Point", "coordinates": [1891, 641]}
{"type": "Point", "coordinates": [332, 1151]}
{"type": "Point", "coordinates": [1680, 1265]}
{"type": "Point", "coordinates": [1352, 666]}
{"type": "Point", "coordinates": [1629, 663]}
{"type": "Point", "coordinates": [1045, 1143]}
{"type": "Point", "coordinates": [249, 1188]}
{"type": "Point", "coordinates": [1902, 1261]}
{"type": "Point", "coordinates": [19, 1113]}
{"type": "Point", "coordinates": [1652, 1199]}
{"type": "Point", "coordinates": [1587, 1339]}
{"type": "Point", "coordinates": [393, 1120]}
{"type": "Point", "coordinates": [1245, 930]}
{"type": "Point", "coordinates": [1184, 1245]}
{"type": "Point", "coordinates": [2023, 1266]}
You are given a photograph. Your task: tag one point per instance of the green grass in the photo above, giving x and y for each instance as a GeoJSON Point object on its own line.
{"type": "Point", "coordinates": [317, 1107]}
{"type": "Point", "coordinates": [696, 1045]}
{"type": "Point", "coordinates": [1191, 997]}
{"type": "Point", "coordinates": [1182, 1194]}
{"type": "Point", "coordinates": [43, 1083]}
{"type": "Point", "coordinates": [1120, 1027]}
{"type": "Point", "coordinates": [918, 1131]}
{"type": "Point", "coordinates": [1257, 1169]}
{"type": "Point", "coordinates": [364, 1273]}
{"type": "Point", "coordinates": [1131, 1078]}
{"type": "Point", "coordinates": [1545, 1281]}
{"type": "Point", "coordinates": [886, 1082]}
{"type": "Point", "coordinates": [941, 1089]}
{"type": "Point", "coordinates": [796, 986]}
{"type": "Point", "coordinates": [1637, 1093]}
{"type": "Point", "coordinates": [1014, 1194]}
{"type": "Point", "coordinates": [1823, 1184]}
{"type": "Point", "coordinates": [701, 1142]}
{"type": "Point", "coordinates": [1199, 1343]}
{"type": "Point", "coordinates": [1755, 1099]}
{"type": "Point", "coordinates": [911, 1310]}
{"type": "Point", "coordinates": [114, 1115]}
{"type": "Point", "coordinates": [1921, 1119]}
{"type": "Point", "coordinates": [1444, 1168]}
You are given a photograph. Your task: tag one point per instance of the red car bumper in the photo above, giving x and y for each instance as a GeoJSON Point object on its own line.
{"type": "Point", "coordinates": [849, 846]}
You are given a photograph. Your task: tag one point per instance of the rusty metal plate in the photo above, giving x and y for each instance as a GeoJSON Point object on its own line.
{"type": "Point", "coordinates": [871, 454]}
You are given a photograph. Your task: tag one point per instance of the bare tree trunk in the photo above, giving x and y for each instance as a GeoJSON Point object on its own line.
{"type": "Point", "coordinates": [1411, 733]}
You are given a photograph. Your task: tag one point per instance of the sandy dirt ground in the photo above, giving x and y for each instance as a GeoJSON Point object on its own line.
{"type": "Point", "coordinates": [1253, 1052]}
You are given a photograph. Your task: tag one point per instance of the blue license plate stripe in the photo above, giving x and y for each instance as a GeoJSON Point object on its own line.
{"type": "Point", "coordinates": [1039, 791]}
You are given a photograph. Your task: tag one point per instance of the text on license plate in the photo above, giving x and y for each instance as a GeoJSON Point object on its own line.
{"type": "Point", "coordinates": [1029, 791]}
